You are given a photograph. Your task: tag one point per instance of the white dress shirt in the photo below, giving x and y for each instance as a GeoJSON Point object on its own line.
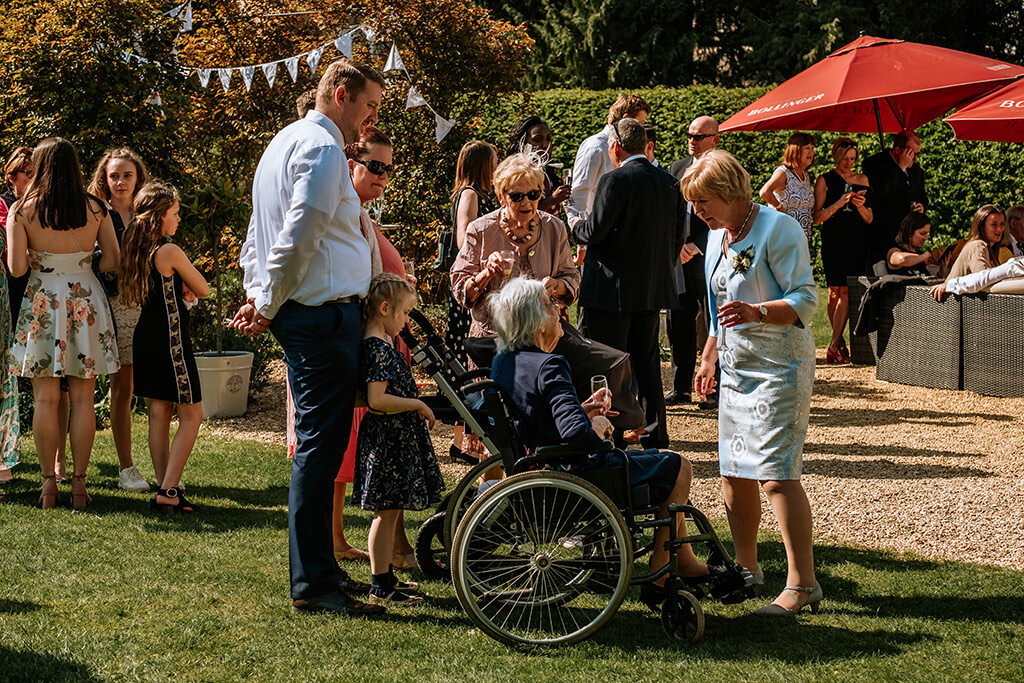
{"type": "Point", "coordinates": [592, 162]}
{"type": "Point", "coordinates": [304, 242]}
{"type": "Point", "coordinates": [984, 279]}
{"type": "Point", "coordinates": [1017, 246]}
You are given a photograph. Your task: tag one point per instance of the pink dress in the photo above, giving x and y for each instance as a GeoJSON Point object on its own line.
{"type": "Point", "coordinates": [391, 262]}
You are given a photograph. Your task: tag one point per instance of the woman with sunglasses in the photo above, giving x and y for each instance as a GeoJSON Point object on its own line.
{"type": "Point", "coordinates": [842, 209]}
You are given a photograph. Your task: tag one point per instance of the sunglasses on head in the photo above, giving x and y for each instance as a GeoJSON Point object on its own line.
{"type": "Point", "coordinates": [376, 167]}
{"type": "Point", "coordinates": [516, 197]}
{"type": "Point", "coordinates": [699, 136]}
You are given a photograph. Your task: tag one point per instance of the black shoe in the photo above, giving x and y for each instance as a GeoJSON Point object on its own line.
{"type": "Point", "coordinates": [346, 584]}
{"type": "Point", "coordinates": [676, 397]}
{"type": "Point", "coordinates": [653, 595]}
{"type": "Point", "coordinates": [710, 403]}
{"type": "Point", "coordinates": [337, 603]}
{"type": "Point", "coordinates": [456, 455]}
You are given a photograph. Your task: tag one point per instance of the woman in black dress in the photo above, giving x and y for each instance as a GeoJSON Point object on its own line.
{"type": "Point", "coordinates": [472, 197]}
{"type": "Point", "coordinates": [157, 274]}
{"type": "Point", "coordinates": [841, 208]}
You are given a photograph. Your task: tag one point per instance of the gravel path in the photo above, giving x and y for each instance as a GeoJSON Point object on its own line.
{"type": "Point", "coordinates": [940, 473]}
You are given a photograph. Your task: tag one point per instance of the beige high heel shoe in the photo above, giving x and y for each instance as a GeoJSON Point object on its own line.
{"type": "Point", "coordinates": [80, 498]}
{"type": "Point", "coordinates": [49, 497]}
{"type": "Point", "coordinates": [814, 596]}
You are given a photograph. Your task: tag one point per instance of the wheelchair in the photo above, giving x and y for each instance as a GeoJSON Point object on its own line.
{"type": "Point", "coordinates": [546, 556]}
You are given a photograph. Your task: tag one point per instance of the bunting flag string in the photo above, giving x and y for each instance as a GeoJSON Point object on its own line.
{"type": "Point", "coordinates": [343, 44]}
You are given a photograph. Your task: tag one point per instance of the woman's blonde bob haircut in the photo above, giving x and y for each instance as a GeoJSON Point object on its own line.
{"type": "Point", "coordinates": [716, 174]}
{"type": "Point", "coordinates": [518, 166]}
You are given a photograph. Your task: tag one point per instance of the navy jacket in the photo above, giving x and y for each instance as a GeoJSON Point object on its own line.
{"type": "Point", "coordinates": [547, 410]}
{"type": "Point", "coordinates": [633, 237]}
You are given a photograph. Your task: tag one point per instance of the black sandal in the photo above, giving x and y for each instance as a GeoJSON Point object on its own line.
{"type": "Point", "coordinates": [182, 506]}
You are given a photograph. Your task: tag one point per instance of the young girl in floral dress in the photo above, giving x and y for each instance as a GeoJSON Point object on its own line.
{"type": "Point", "coordinates": [396, 468]}
{"type": "Point", "coordinates": [156, 274]}
{"type": "Point", "coordinates": [64, 327]}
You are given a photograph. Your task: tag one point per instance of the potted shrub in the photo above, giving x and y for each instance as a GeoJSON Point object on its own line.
{"type": "Point", "coordinates": [216, 216]}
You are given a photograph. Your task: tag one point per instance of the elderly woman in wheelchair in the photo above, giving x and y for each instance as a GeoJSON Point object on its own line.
{"type": "Point", "coordinates": [548, 412]}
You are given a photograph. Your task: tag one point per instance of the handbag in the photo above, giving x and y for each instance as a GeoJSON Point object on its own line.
{"type": "Point", "coordinates": [446, 252]}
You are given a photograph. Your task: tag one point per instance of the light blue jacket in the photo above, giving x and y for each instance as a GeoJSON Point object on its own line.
{"type": "Point", "coordinates": [780, 268]}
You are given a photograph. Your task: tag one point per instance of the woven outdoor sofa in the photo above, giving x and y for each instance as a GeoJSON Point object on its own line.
{"type": "Point", "coordinates": [973, 342]}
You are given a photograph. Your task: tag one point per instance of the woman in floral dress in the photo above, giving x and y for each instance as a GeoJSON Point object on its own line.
{"type": "Point", "coordinates": [9, 427]}
{"type": "Point", "coordinates": [64, 328]}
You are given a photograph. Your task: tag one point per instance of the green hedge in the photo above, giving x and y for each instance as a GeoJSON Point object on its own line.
{"type": "Point", "coordinates": [961, 175]}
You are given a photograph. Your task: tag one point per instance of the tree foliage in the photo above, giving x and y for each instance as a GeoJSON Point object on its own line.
{"type": "Point", "coordinates": [628, 43]}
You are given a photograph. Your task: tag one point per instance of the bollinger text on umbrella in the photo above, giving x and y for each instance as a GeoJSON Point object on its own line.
{"type": "Point", "coordinates": [784, 105]}
{"type": "Point", "coordinates": [1012, 104]}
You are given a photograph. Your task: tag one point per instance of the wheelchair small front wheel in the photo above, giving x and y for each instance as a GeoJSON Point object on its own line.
{"type": "Point", "coordinates": [682, 617]}
{"type": "Point", "coordinates": [431, 554]}
{"type": "Point", "coordinates": [463, 495]}
{"type": "Point", "coordinates": [527, 551]}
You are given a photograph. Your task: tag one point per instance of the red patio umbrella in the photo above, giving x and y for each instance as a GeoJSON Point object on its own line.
{"type": "Point", "coordinates": [998, 117]}
{"type": "Point", "coordinates": [875, 84]}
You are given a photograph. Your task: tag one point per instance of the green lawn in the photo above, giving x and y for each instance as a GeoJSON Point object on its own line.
{"type": "Point", "coordinates": [119, 593]}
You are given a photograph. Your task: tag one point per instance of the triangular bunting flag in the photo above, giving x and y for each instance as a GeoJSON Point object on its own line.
{"type": "Point", "coordinates": [293, 67]}
{"type": "Point", "coordinates": [313, 59]}
{"type": "Point", "coordinates": [204, 76]}
{"type": "Point", "coordinates": [368, 32]}
{"type": "Point", "coordinates": [444, 126]}
{"type": "Point", "coordinates": [225, 77]}
{"type": "Point", "coordinates": [415, 99]}
{"type": "Point", "coordinates": [394, 62]}
{"type": "Point", "coordinates": [344, 44]}
{"type": "Point", "coordinates": [270, 71]}
{"type": "Point", "coordinates": [186, 25]}
{"type": "Point", "coordinates": [182, 13]}
{"type": "Point", "coordinates": [247, 73]}
{"type": "Point", "coordinates": [155, 100]}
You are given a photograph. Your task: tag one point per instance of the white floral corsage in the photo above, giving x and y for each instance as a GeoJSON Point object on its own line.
{"type": "Point", "coordinates": [742, 260]}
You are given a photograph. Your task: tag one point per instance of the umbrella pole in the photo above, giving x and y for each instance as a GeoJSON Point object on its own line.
{"type": "Point", "coordinates": [878, 122]}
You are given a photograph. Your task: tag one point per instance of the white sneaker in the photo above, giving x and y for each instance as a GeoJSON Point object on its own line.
{"type": "Point", "coordinates": [130, 479]}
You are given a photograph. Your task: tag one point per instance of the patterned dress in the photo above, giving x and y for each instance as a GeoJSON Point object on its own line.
{"type": "Point", "coordinates": [165, 368]}
{"type": "Point", "coordinates": [767, 370]}
{"type": "Point", "coordinates": [396, 468]}
{"type": "Point", "coordinates": [9, 426]}
{"type": "Point", "coordinates": [797, 199]}
{"type": "Point", "coordinates": [65, 328]}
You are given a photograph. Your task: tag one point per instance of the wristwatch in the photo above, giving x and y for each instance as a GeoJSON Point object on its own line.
{"type": "Point", "coordinates": [764, 312]}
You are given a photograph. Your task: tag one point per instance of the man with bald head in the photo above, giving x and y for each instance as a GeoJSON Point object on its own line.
{"type": "Point", "coordinates": [685, 320]}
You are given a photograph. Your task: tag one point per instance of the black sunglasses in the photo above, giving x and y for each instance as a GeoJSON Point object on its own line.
{"type": "Point", "coordinates": [377, 167]}
{"type": "Point", "coordinates": [516, 197]}
{"type": "Point", "coordinates": [699, 136]}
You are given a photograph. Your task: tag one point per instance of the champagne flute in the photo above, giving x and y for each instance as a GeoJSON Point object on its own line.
{"type": "Point", "coordinates": [597, 383]}
{"type": "Point", "coordinates": [847, 188]}
{"type": "Point", "coordinates": [508, 257]}
{"type": "Point", "coordinates": [410, 268]}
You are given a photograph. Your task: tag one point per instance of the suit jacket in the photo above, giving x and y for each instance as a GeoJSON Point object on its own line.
{"type": "Point", "coordinates": [892, 193]}
{"type": "Point", "coordinates": [633, 238]}
{"type": "Point", "coordinates": [690, 275]}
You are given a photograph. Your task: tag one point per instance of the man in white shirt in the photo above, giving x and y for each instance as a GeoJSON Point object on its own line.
{"type": "Point", "coordinates": [306, 265]}
{"type": "Point", "coordinates": [592, 158]}
{"type": "Point", "coordinates": [1015, 225]}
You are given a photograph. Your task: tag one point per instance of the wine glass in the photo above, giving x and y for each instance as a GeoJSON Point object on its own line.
{"type": "Point", "coordinates": [846, 189]}
{"type": "Point", "coordinates": [597, 383]}
{"type": "Point", "coordinates": [377, 208]}
{"type": "Point", "coordinates": [410, 268]}
{"type": "Point", "coordinates": [508, 257]}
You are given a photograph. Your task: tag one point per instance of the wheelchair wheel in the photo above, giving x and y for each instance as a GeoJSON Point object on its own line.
{"type": "Point", "coordinates": [431, 555]}
{"type": "Point", "coordinates": [525, 551]}
{"type": "Point", "coordinates": [682, 617]}
{"type": "Point", "coordinates": [462, 497]}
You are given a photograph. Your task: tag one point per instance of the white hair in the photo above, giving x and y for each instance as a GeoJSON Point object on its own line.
{"type": "Point", "coordinates": [518, 311]}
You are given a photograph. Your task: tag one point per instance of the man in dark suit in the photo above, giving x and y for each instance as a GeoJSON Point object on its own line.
{"type": "Point", "coordinates": [685, 320]}
{"type": "Point", "coordinates": [897, 188]}
{"type": "Point", "coordinates": [633, 235]}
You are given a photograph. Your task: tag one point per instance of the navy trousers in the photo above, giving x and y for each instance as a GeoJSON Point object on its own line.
{"type": "Point", "coordinates": [321, 350]}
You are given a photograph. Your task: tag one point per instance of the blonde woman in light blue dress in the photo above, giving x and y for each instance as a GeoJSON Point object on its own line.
{"type": "Point", "coordinates": [761, 298]}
